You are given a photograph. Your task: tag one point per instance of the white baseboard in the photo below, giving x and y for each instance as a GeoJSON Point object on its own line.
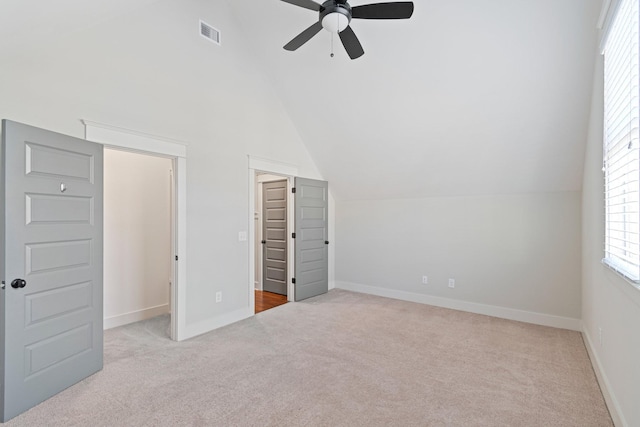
{"type": "Point", "coordinates": [135, 316]}
{"type": "Point", "coordinates": [472, 307]}
{"type": "Point", "coordinates": [209, 325]}
{"type": "Point", "coordinates": [605, 386]}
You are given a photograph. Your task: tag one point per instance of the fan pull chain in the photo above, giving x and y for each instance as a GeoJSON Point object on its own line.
{"type": "Point", "coordinates": [332, 44]}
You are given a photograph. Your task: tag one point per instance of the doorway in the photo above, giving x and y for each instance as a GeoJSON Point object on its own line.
{"type": "Point", "coordinates": [308, 213]}
{"type": "Point", "coordinates": [271, 220]}
{"type": "Point", "coordinates": [257, 166]}
{"type": "Point", "coordinates": [137, 238]}
{"type": "Point", "coordinates": [132, 141]}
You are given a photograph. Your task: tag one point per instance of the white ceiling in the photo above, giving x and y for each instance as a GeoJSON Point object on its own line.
{"type": "Point", "coordinates": [467, 97]}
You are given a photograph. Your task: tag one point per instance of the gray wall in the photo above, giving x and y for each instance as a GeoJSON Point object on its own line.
{"type": "Point", "coordinates": [518, 252]}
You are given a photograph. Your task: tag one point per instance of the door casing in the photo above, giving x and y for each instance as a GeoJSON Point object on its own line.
{"type": "Point", "coordinates": [288, 172]}
{"type": "Point", "coordinates": [123, 139]}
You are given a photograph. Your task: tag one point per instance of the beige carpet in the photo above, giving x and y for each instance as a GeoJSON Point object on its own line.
{"type": "Point", "coordinates": [341, 359]}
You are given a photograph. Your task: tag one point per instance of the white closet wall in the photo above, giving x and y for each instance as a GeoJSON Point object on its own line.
{"type": "Point", "coordinates": [137, 235]}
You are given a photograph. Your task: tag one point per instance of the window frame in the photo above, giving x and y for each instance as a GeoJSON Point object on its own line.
{"type": "Point", "coordinates": [614, 254]}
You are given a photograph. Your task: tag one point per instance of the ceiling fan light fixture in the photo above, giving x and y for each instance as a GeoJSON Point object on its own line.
{"type": "Point", "coordinates": [335, 16]}
{"type": "Point", "coordinates": [335, 22]}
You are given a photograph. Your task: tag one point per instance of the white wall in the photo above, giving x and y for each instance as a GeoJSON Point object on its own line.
{"type": "Point", "coordinates": [608, 301]}
{"type": "Point", "coordinates": [511, 256]}
{"type": "Point", "coordinates": [152, 72]}
{"type": "Point", "coordinates": [137, 237]}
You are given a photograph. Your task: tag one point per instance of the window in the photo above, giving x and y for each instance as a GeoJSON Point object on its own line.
{"type": "Point", "coordinates": [621, 145]}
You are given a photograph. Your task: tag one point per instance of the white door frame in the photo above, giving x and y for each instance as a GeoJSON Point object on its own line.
{"type": "Point", "coordinates": [128, 140]}
{"type": "Point", "coordinates": [288, 172]}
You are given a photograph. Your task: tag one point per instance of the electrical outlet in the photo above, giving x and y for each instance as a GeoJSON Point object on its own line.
{"type": "Point", "coordinates": [600, 335]}
{"type": "Point", "coordinates": [452, 283]}
{"type": "Point", "coordinates": [218, 296]}
{"type": "Point", "coordinates": [425, 280]}
{"type": "Point", "coordinates": [242, 236]}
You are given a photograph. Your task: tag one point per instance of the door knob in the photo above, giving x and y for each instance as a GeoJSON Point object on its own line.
{"type": "Point", "coordinates": [18, 283]}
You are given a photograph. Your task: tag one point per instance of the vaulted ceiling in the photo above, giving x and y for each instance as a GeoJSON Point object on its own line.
{"type": "Point", "coordinates": [467, 97]}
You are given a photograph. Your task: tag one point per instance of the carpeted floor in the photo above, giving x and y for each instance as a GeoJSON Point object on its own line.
{"type": "Point", "coordinates": [341, 359]}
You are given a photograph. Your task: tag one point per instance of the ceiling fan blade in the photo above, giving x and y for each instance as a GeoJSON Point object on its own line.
{"type": "Point", "coordinates": [351, 43]}
{"type": "Point", "coordinates": [307, 4]}
{"type": "Point", "coordinates": [304, 36]}
{"type": "Point", "coordinates": [397, 10]}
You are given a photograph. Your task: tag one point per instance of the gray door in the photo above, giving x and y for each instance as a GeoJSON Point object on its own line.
{"type": "Point", "coordinates": [312, 260]}
{"type": "Point", "coordinates": [51, 264]}
{"type": "Point", "coordinates": [274, 235]}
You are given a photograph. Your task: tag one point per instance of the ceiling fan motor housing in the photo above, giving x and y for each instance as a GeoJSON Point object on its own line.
{"type": "Point", "coordinates": [340, 7]}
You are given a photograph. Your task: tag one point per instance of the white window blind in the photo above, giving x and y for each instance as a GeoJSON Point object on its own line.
{"type": "Point", "coordinates": [621, 145]}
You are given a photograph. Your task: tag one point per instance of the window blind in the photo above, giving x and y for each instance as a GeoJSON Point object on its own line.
{"type": "Point", "coordinates": [621, 145]}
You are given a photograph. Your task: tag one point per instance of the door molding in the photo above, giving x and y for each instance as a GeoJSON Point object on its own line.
{"type": "Point", "coordinates": [129, 140]}
{"type": "Point", "coordinates": [288, 172]}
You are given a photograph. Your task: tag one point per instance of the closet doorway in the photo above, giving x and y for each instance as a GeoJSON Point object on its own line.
{"type": "Point", "coordinates": [138, 201]}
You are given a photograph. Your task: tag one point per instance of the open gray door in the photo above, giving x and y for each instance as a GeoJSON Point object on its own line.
{"type": "Point", "coordinates": [51, 264]}
{"type": "Point", "coordinates": [312, 259]}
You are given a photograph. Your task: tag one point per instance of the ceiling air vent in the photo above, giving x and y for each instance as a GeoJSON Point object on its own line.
{"type": "Point", "coordinates": [209, 33]}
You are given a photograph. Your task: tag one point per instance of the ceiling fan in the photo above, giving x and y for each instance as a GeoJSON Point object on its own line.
{"type": "Point", "coordinates": [335, 16]}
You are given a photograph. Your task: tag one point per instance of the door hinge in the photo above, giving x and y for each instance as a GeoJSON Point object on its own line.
{"type": "Point", "coordinates": [2, 285]}
{"type": "Point", "coordinates": [176, 257]}
{"type": "Point", "coordinates": [293, 189]}
{"type": "Point", "coordinates": [293, 280]}
{"type": "Point", "coordinates": [293, 235]}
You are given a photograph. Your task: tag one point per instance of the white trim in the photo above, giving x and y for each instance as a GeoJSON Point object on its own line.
{"type": "Point", "coordinates": [199, 328]}
{"type": "Point", "coordinates": [272, 166]}
{"type": "Point", "coordinates": [607, 14]}
{"type": "Point", "coordinates": [291, 227]}
{"type": "Point", "coordinates": [179, 297]}
{"type": "Point", "coordinates": [120, 138]}
{"type": "Point", "coordinates": [257, 222]}
{"type": "Point", "coordinates": [112, 136]}
{"type": "Point", "coordinates": [604, 10]}
{"type": "Point", "coordinates": [135, 316]}
{"type": "Point", "coordinates": [607, 391]}
{"type": "Point", "coordinates": [620, 271]}
{"type": "Point", "coordinates": [288, 171]}
{"type": "Point", "coordinates": [629, 289]}
{"type": "Point", "coordinates": [471, 307]}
